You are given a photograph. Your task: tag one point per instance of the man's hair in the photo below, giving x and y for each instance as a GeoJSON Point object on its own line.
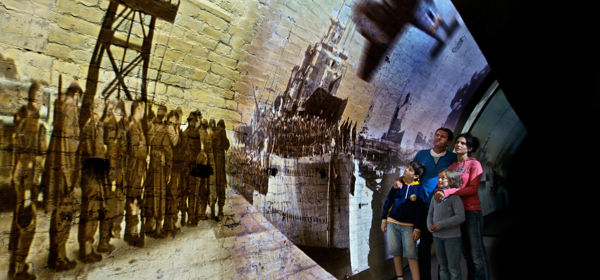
{"type": "Point", "coordinates": [35, 86]}
{"type": "Point", "coordinates": [454, 178]}
{"type": "Point", "coordinates": [73, 89]}
{"type": "Point", "coordinates": [418, 167]}
{"type": "Point", "coordinates": [450, 133]}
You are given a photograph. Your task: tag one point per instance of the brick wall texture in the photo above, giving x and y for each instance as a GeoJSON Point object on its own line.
{"type": "Point", "coordinates": [207, 58]}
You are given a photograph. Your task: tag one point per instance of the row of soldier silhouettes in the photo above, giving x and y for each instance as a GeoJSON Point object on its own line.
{"type": "Point", "coordinates": [108, 159]}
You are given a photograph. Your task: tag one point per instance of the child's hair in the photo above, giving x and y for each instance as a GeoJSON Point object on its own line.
{"type": "Point", "coordinates": [418, 167]}
{"type": "Point", "coordinates": [454, 178]}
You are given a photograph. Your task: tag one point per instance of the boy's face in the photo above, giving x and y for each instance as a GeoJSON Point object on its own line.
{"type": "Point", "coordinates": [409, 173]}
{"type": "Point", "coordinates": [443, 180]}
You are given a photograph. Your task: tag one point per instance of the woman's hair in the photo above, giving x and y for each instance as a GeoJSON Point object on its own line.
{"type": "Point", "coordinates": [454, 178]}
{"type": "Point", "coordinates": [472, 141]}
{"type": "Point", "coordinates": [418, 167]}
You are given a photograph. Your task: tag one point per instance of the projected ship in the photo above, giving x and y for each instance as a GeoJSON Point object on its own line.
{"type": "Point", "coordinates": [295, 162]}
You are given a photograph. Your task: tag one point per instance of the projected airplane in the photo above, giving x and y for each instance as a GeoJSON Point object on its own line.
{"type": "Point", "coordinates": [381, 23]}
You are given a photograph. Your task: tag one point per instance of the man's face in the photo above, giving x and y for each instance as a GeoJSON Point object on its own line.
{"type": "Point", "coordinates": [139, 112]}
{"type": "Point", "coordinates": [119, 114]}
{"type": "Point", "coordinates": [440, 139]}
{"type": "Point", "coordinates": [37, 98]}
{"type": "Point", "coordinates": [98, 108]}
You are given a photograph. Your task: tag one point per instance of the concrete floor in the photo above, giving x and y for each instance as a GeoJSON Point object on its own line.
{"type": "Point", "coordinates": [242, 246]}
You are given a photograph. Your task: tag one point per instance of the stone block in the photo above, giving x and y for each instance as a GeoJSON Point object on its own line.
{"type": "Point", "coordinates": [199, 63]}
{"type": "Point", "coordinates": [212, 79]}
{"type": "Point", "coordinates": [198, 75]}
{"type": "Point", "coordinates": [225, 83]}
{"type": "Point", "coordinates": [173, 55]}
{"type": "Point", "coordinates": [178, 44]}
{"type": "Point", "coordinates": [64, 37]}
{"type": "Point", "coordinates": [57, 50]}
{"type": "Point", "coordinates": [199, 51]}
{"type": "Point", "coordinates": [89, 13]}
{"type": "Point", "coordinates": [213, 9]}
{"type": "Point", "coordinates": [219, 35]}
{"type": "Point", "coordinates": [223, 49]}
{"type": "Point", "coordinates": [224, 71]}
{"type": "Point", "coordinates": [222, 60]}
{"type": "Point", "coordinates": [200, 40]}
{"type": "Point", "coordinates": [213, 20]}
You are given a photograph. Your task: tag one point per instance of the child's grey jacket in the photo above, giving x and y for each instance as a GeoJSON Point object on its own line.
{"type": "Point", "coordinates": [448, 214]}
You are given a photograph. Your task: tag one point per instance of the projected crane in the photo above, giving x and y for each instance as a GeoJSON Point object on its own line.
{"type": "Point", "coordinates": [126, 40]}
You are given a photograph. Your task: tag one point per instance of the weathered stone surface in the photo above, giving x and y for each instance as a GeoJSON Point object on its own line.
{"type": "Point", "coordinates": [242, 246]}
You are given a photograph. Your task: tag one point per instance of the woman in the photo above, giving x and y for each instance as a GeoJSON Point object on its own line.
{"type": "Point", "coordinates": [472, 229]}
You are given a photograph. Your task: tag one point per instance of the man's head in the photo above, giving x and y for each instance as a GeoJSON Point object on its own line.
{"type": "Point", "coordinates": [73, 93]}
{"type": "Point", "coordinates": [161, 112]}
{"type": "Point", "coordinates": [137, 110]}
{"type": "Point", "coordinates": [35, 91]}
{"type": "Point", "coordinates": [191, 119]}
{"type": "Point", "coordinates": [442, 139]}
{"type": "Point", "coordinates": [119, 110]}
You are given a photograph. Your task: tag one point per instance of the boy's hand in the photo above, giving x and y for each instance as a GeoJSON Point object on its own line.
{"type": "Point", "coordinates": [416, 235]}
{"type": "Point", "coordinates": [397, 184]}
{"type": "Point", "coordinates": [383, 225]}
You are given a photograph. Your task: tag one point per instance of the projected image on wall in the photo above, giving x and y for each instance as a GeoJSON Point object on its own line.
{"type": "Point", "coordinates": [315, 158]}
{"type": "Point", "coordinates": [218, 138]}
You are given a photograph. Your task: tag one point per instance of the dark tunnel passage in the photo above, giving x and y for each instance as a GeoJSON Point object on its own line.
{"type": "Point", "coordinates": [546, 81]}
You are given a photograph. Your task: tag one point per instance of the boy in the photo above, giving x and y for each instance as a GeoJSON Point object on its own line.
{"type": "Point", "coordinates": [403, 217]}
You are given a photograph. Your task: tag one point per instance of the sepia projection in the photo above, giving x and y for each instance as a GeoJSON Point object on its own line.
{"type": "Point", "coordinates": [217, 139]}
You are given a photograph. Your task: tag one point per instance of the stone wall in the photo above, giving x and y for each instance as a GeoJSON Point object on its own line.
{"type": "Point", "coordinates": [207, 57]}
{"type": "Point", "coordinates": [216, 51]}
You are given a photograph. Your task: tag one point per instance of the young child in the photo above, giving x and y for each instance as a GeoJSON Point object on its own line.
{"type": "Point", "coordinates": [402, 218]}
{"type": "Point", "coordinates": [443, 221]}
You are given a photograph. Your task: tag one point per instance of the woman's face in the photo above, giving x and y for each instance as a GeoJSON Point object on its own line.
{"type": "Point", "coordinates": [461, 146]}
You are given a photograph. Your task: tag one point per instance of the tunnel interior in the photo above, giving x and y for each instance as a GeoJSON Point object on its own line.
{"type": "Point", "coordinates": [323, 105]}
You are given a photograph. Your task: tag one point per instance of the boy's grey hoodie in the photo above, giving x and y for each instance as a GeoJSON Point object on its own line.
{"type": "Point", "coordinates": [448, 214]}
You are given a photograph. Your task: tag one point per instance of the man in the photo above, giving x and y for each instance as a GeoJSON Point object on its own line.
{"type": "Point", "coordinates": [115, 138]}
{"type": "Point", "coordinates": [435, 160]}
{"type": "Point", "coordinates": [220, 145]}
{"type": "Point", "coordinates": [27, 146]}
{"type": "Point", "coordinates": [63, 169]}
{"type": "Point", "coordinates": [92, 151]}
{"type": "Point", "coordinates": [135, 174]}
{"type": "Point", "coordinates": [204, 159]}
{"type": "Point", "coordinates": [163, 136]}
{"type": "Point", "coordinates": [190, 147]}
{"type": "Point", "coordinates": [175, 187]}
